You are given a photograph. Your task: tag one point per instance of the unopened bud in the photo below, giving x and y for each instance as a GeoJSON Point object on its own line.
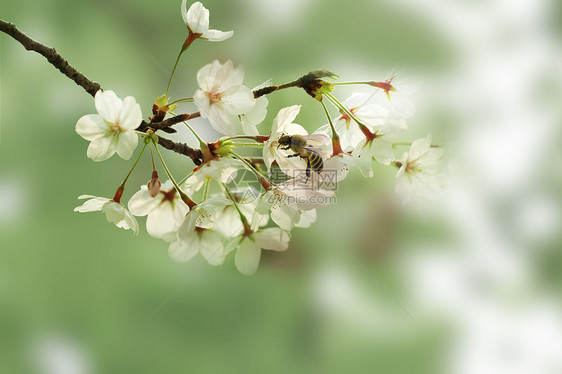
{"type": "Point", "coordinates": [154, 184]}
{"type": "Point", "coordinates": [222, 147]}
{"type": "Point", "coordinates": [161, 107]}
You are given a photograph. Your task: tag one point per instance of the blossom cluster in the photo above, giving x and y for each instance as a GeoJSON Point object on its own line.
{"type": "Point", "coordinates": [246, 218]}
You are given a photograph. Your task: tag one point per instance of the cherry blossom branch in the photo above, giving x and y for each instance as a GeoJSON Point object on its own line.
{"type": "Point", "coordinates": [309, 82]}
{"type": "Point", "coordinates": [306, 82]}
{"type": "Point", "coordinates": [52, 56]}
{"type": "Point", "coordinates": [161, 125]}
{"type": "Point", "coordinates": [92, 87]}
{"type": "Point", "coordinates": [183, 149]}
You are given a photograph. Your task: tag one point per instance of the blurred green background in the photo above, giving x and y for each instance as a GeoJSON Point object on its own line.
{"type": "Point", "coordinates": [479, 269]}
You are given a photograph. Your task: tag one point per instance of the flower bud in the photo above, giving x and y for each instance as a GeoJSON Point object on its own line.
{"type": "Point", "coordinates": [154, 184]}
{"type": "Point", "coordinates": [161, 107]}
{"type": "Point", "coordinates": [222, 147]}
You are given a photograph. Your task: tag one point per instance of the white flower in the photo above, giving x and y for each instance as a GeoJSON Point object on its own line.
{"type": "Point", "coordinates": [197, 234]}
{"type": "Point", "coordinates": [254, 117]}
{"type": "Point", "coordinates": [337, 167]}
{"type": "Point", "coordinates": [248, 254]}
{"type": "Point", "coordinates": [113, 129]}
{"type": "Point", "coordinates": [370, 114]}
{"type": "Point", "coordinates": [223, 95]}
{"type": "Point", "coordinates": [209, 242]}
{"type": "Point", "coordinates": [222, 169]}
{"type": "Point", "coordinates": [202, 215]}
{"type": "Point", "coordinates": [398, 92]}
{"type": "Point", "coordinates": [166, 211]}
{"type": "Point", "coordinates": [418, 171]}
{"type": "Point", "coordinates": [379, 147]}
{"type": "Point", "coordinates": [114, 212]}
{"type": "Point", "coordinates": [283, 125]}
{"type": "Point", "coordinates": [197, 21]}
{"type": "Point", "coordinates": [276, 202]}
{"type": "Point", "coordinates": [288, 202]}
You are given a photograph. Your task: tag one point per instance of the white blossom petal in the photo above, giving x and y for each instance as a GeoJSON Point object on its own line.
{"type": "Point", "coordinates": [130, 114]}
{"type": "Point", "coordinates": [120, 216]}
{"type": "Point", "coordinates": [183, 251]}
{"type": "Point", "coordinates": [217, 35]}
{"type": "Point", "coordinates": [272, 238]}
{"type": "Point", "coordinates": [240, 101]}
{"type": "Point", "coordinates": [307, 218]}
{"type": "Point", "coordinates": [108, 105]}
{"type": "Point", "coordinates": [212, 247]}
{"type": "Point", "coordinates": [126, 144]}
{"type": "Point", "coordinates": [141, 203]}
{"type": "Point", "coordinates": [91, 126]}
{"type": "Point", "coordinates": [197, 17]}
{"type": "Point", "coordinates": [247, 256]}
{"type": "Point", "coordinates": [101, 149]}
{"type": "Point", "coordinates": [93, 205]}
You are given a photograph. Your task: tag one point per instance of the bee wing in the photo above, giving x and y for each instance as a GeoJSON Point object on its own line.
{"type": "Point", "coordinates": [319, 143]}
{"type": "Point", "coordinates": [316, 140]}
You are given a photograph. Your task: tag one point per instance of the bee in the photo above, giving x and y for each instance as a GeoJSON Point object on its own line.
{"type": "Point", "coordinates": [303, 146]}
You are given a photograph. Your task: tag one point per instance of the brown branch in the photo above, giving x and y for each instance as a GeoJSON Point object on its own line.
{"type": "Point", "coordinates": [269, 89]}
{"type": "Point", "coordinates": [183, 149]}
{"type": "Point", "coordinates": [92, 87]}
{"type": "Point", "coordinates": [52, 56]}
{"type": "Point", "coordinates": [167, 123]}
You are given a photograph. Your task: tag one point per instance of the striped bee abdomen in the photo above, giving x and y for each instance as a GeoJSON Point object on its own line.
{"type": "Point", "coordinates": [316, 162]}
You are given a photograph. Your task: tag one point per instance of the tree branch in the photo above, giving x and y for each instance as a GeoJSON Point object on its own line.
{"type": "Point", "coordinates": [92, 87]}
{"type": "Point", "coordinates": [183, 149]}
{"type": "Point", "coordinates": [52, 56]}
{"type": "Point", "coordinates": [161, 125]}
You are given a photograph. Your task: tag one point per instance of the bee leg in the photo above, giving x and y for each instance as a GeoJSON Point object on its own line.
{"type": "Point", "coordinates": [295, 155]}
{"type": "Point", "coordinates": [308, 167]}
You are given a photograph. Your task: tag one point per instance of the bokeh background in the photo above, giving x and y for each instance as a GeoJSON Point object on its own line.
{"type": "Point", "coordinates": [479, 269]}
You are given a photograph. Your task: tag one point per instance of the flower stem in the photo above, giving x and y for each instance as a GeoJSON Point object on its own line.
{"type": "Point", "coordinates": [263, 180]}
{"type": "Point", "coordinates": [152, 156]}
{"type": "Point", "coordinates": [121, 188]}
{"type": "Point", "coordinates": [348, 83]}
{"type": "Point", "coordinates": [257, 138]}
{"type": "Point", "coordinates": [194, 133]}
{"type": "Point", "coordinates": [248, 144]}
{"type": "Point", "coordinates": [343, 108]}
{"type": "Point", "coordinates": [364, 129]}
{"type": "Point", "coordinates": [185, 178]}
{"type": "Point", "coordinates": [206, 190]}
{"type": "Point", "coordinates": [184, 100]}
{"type": "Point", "coordinates": [173, 71]}
{"type": "Point", "coordinates": [205, 151]}
{"type": "Point", "coordinates": [247, 230]}
{"type": "Point", "coordinates": [134, 165]}
{"type": "Point", "coordinates": [186, 199]}
{"type": "Point", "coordinates": [336, 146]}
{"type": "Point", "coordinates": [410, 143]}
